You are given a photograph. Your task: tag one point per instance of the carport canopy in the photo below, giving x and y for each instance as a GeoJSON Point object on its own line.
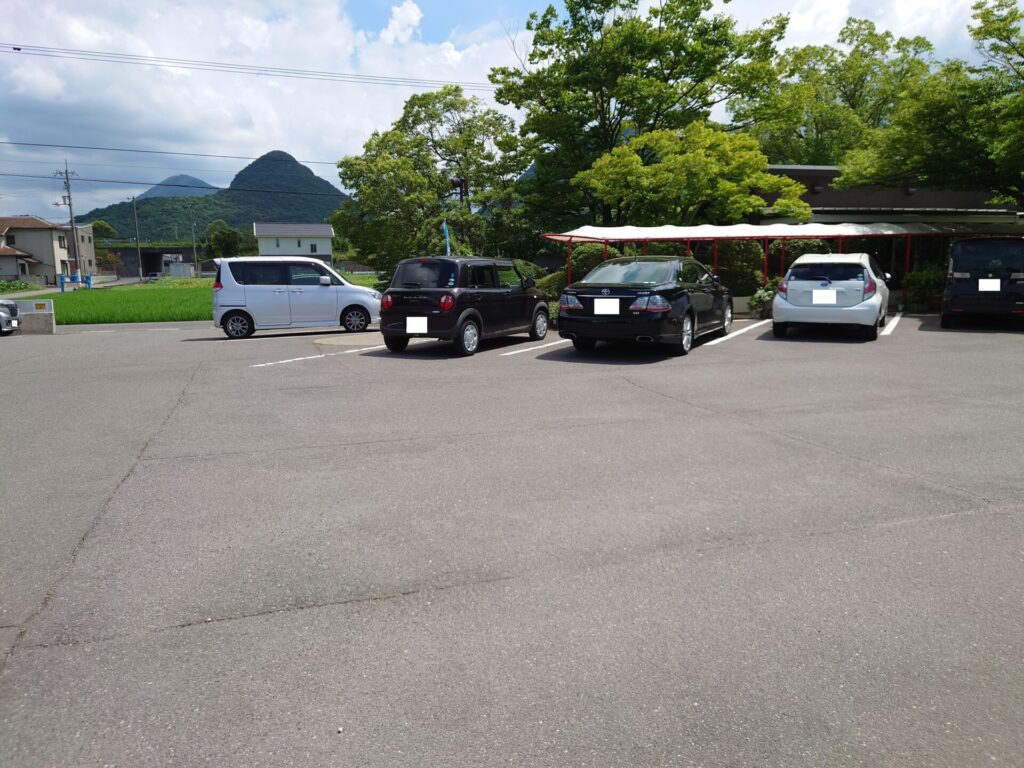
{"type": "Point", "coordinates": [765, 233]}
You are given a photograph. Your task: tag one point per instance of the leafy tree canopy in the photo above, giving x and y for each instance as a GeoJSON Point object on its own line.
{"type": "Point", "coordinates": [101, 230]}
{"type": "Point", "coordinates": [604, 72]}
{"type": "Point", "coordinates": [692, 176]}
{"type": "Point", "coordinates": [446, 159]}
{"type": "Point", "coordinates": [962, 127]}
{"type": "Point", "coordinates": [826, 99]}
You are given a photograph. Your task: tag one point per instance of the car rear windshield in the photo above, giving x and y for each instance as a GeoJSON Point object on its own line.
{"type": "Point", "coordinates": [830, 272]}
{"type": "Point", "coordinates": [424, 274]}
{"type": "Point", "coordinates": [631, 272]}
{"type": "Point", "coordinates": [985, 256]}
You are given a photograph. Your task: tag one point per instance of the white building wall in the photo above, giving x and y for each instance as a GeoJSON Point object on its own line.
{"type": "Point", "coordinates": [314, 247]}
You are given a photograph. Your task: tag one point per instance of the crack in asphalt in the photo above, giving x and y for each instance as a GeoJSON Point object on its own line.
{"type": "Point", "coordinates": [104, 509]}
{"type": "Point", "coordinates": [232, 617]}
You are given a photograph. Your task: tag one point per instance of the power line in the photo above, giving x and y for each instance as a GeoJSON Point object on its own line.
{"type": "Point", "coordinates": [240, 69]}
{"type": "Point", "coordinates": [150, 152]}
{"type": "Point", "coordinates": [181, 186]}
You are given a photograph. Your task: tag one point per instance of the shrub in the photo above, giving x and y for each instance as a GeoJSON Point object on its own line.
{"type": "Point", "coordinates": [586, 256]}
{"type": "Point", "coordinates": [794, 249]}
{"type": "Point", "coordinates": [552, 285]}
{"type": "Point", "coordinates": [13, 286]}
{"type": "Point", "coordinates": [739, 265]}
{"type": "Point", "coordinates": [529, 269]}
{"type": "Point", "coordinates": [922, 283]}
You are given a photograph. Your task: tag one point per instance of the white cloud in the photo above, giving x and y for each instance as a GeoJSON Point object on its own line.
{"type": "Point", "coordinates": [405, 19]}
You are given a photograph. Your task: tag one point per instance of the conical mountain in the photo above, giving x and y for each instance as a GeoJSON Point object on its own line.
{"type": "Point", "coordinates": [274, 187]}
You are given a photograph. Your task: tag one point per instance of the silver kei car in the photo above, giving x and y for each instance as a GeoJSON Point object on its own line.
{"type": "Point", "coordinates": [832, 289]}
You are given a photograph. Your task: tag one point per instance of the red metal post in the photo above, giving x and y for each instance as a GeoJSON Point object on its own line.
{"type": "Point", "coordinates": [840, 245]}
{"type": "Point", "coordinates": [714, 254]}
{"type": "Point", "coordinates": [782, 259]}
{"type": "Point", "coordinates": [645, 247]}
{"type": "Point", "coordinates": [906, 269]}
{"type": "Point", "coordinates": [689, 250]}
{"type": "Point", "coordinates": [568, 262]}
{"type": "Point", "coordinates": [764, 275]}
{"type": "Point", "coordinates": [605, 251]}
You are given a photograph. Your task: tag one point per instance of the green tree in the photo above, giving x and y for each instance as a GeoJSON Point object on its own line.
{"type": "Point", "coordinates": [604, 72]}
{"type": "Point", "coordinates": [101, 230]}
{"type": "Point", "coordinates": [223, 242]}
{"type": "Point", "coordinates": [691, 176]}
{"type": "Point", "coordinates": [827, 99]}
{"type": "Point", "coordinates": [446, 159]}
{"type": "Point", "coordinates": [962, 127]}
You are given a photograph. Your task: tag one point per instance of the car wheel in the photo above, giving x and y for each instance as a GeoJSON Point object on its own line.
{"type": "Point", "coordinates": [238, 325]}
{"type": "Point", "coordinates": [584, 345]}
{"type": "Point", "coordinates": [727, 320]}
{"type": "Point", "coordinates": [685, 342]}
{"type": "Point", "coordinates": [468, 338]}
{"type": "Point", "coordinates": [355, 319]}
{"type": "Point", "coordinates": [779, 329]}
{"type": "Point", "coordinates": [7, 333]}
{"type": "Point", "coordinates": [946, 321]}
{"type": "Point", "coordinates": [871, 332]}
{"type": "Point", "coordinates": [539, 329]}
{"type": "Point", "coordinates": [396, 343]}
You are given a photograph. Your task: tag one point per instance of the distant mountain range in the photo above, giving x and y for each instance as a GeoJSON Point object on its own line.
{"type": "Point", "coordinates": [275, 187]}
{"type": "Point", "coordinates": [182, 185]}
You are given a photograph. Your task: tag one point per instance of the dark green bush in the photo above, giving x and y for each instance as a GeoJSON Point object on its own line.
{"type": "Point", "coordinates": [740, 263]}
{"type": "Point", "coordinates": [586, 256]}
{"type": "Point", "coordinates": [529, 269]}
{"type": "Point", "coordinates": [922, 283]}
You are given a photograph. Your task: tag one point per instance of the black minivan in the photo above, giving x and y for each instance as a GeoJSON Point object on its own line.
{"type": "Point", "coordinates": [986, 277]}
{"type": "Point", "coordinates": [462, 300]}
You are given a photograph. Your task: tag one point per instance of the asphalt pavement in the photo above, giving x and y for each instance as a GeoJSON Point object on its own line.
{"type": "Point", "coordinates": [302, 549]}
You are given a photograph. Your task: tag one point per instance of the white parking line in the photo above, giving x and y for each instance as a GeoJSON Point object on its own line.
{"type": "Point", "coordinates": [363, 349]}
{"type": "Point", "coordinates": [292, 360]}
{"type": "Point", "coordinates": [99, 331]}
{"type": "Point", "coordinates": [157, 330]}
{"type": "Point", "coordinates": [534, 349]}
{"type": "Point", "coordinates": [734, 334]}
{"type": "Point", "coordinates": [891, 325]}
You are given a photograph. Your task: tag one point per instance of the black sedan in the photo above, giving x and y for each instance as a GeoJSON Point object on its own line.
{"type": "Point", "coordinates": [667, 300]}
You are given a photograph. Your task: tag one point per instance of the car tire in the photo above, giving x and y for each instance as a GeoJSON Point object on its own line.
{"type": "Point", "coordinates": [539, 328]}
{"type": "Point", "coordinates": [467, 340]}
{"type": "Point", "coordinates": [396, 343]}
{"type": "Point", "coordinates": [726, 321]}
{"type": "Point", "coordinates": [355, 319]}
{"type": "Point", "coordinates": [946, 321]}
{"type": "Point", "coordinates": [238, 325]}
{"type": "Point", "coordinates": [584, 345]}
{"type": "Point", "coordinates": [7, 333]}
{"type": "Point", "coordinates": [779, 330]}
{"type": "Point", "coordinates": [685, 343]}
{"type": "Point", "coordinates": [870, 332]}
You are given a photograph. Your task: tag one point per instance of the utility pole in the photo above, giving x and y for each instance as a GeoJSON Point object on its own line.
{"type": "Point", "coordinates": [66, 175]}
{"type": "Point", "coordinates": [195, 256]}
{"type": "Point", "coordinates": [138, 248]}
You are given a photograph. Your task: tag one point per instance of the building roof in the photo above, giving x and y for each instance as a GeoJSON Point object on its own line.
{"type": "Point", "coordinates": [284, 229]}
{"type": "Point", "coordinates": [27, 222]}
{"type": "Point", "coordinates": [9, 250]}
{"type": "Point", "coordinates": [769, 232]}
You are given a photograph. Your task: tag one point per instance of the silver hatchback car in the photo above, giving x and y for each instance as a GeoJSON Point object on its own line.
{"type": "Point", "coordinates": [832, 289]}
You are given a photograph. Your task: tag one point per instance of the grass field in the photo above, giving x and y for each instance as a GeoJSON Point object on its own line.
{"type": "Point", "coordinates": [168, 300]}
{"type": "Point", "coordinates": [157, 301]}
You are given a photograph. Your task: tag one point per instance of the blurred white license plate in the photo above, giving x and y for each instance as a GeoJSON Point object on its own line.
{"type": "Point", "coordinates": [14, 323]}
{"type": "Point", "coordinates": [415, 325]}
{"type": "Point", "coordinates": [824, 296]}
{"type": "Point", "coordinates": [989, 284]}
{"type": "Point", "coordinates": [606, 306]}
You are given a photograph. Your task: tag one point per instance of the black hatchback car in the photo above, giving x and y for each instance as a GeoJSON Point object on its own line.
{"type": "Point", "coordinates": [670, 300]}
{"type": "Point", "coordinates": [986, 277]}
{"type": "Point", "coordinates": [462, 300]}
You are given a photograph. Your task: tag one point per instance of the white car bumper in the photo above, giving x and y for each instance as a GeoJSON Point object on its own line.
{"type": "Point", "coordinates": [864, 313]}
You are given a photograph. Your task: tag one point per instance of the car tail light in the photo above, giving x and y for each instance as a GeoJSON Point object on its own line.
{"type": "Point", "coordinates": [870, 286]}
{"type": "Point", "coordinates": [639, 305]}
{"type": "Point", "coordinates": [650, 304]}
{"type": "Point", "coordinates": [782, 289]}
{"type": "Point", "coordinates": [446, 302]}
{"type": "Point", "coordinates": [217, 285]}
{"type": "Point", "coordinates": [387, 302]}
{"type": "Point", "coordinates": [568, 301]}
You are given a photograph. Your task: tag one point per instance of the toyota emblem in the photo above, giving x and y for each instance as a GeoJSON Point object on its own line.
{"type": "Point", "coordinates": [605, 291]}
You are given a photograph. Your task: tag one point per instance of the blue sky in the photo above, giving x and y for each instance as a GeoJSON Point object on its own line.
{"type": "Point", "coordinates": [100, 104]}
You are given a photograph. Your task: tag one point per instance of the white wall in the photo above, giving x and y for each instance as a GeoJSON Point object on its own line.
{"type": "Point", "coordinates": [295, 246]}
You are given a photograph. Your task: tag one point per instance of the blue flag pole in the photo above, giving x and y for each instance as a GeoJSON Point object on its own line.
{"type": "Point", "coordinates": [447, 243]}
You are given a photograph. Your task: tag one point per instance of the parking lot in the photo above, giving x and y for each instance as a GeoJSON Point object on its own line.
{"type": "Point", "coordinates": [302, 549]}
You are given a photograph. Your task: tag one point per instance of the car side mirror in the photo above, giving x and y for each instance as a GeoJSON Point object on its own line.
{"type": "Point", "coordinates": [325, 280]}
{"type": "Point", "coordinates": [716, 279]}
{"type": "Point", "coordinates": [529, 282]}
